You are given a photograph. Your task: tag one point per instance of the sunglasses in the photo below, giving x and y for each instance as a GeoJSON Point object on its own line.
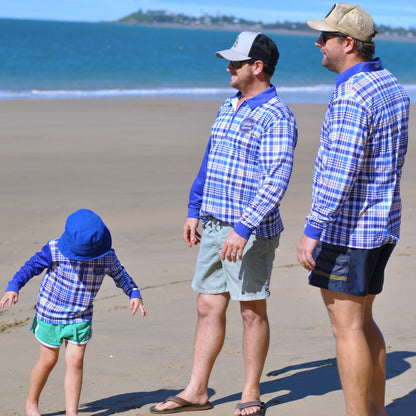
{"type": "Point", "coordinates": [325, 36]}
{"type": "Point", "coordinates": [239, 64]}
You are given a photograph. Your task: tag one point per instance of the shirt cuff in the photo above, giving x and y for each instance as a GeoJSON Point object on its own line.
{"type": "Point", "coordinates": [242, 230]}
{"type": "Point", "coordinates": [193, 213]}
{"type": "Point", "coordinates": [12, 287]}
{"type": "Point", "coordinates": [312, 232]}
{"type": "Point", "coordinates": [135, 293]}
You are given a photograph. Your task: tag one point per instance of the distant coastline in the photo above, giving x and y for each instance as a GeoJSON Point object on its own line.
{"type": "Point", "coordinates": [161, 18]}
{"type": "Point", "coordinates": [113, 60]}
{"type": "Point", "coordinates": [239, 28]}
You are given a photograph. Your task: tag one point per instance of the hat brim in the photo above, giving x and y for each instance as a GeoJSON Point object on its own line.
{"type": "Point", "coordinates": [101, 251]}
{"type": "Point", "coordinates": [231, 55]}
{"type": "Point", "coordinates": [320, 25]}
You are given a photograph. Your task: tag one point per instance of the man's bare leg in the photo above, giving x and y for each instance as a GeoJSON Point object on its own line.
{"type": "Point", "coordinates": [209, 339]}
{"type": "Point", "coordinates": [256, 337]}
{"type": "Point", "coordinates": [377, 346]}
{"type": "Point", "coordinates": [354, 361]}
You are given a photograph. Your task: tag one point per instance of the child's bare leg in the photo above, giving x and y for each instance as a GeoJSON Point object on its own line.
{"type": "Point", "coordinates": [40, 373]}
{"type": "Point", "coordinates": [74, 358]}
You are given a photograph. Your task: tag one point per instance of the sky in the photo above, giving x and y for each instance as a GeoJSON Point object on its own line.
{"type": "Point", "coordinates": [393, 13]}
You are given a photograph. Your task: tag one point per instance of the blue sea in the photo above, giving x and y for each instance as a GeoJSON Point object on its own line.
{"type": "Point", "coordinates": [45, 59]}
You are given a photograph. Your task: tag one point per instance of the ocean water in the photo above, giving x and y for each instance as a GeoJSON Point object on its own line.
{"type": "Point", "coordinates": [44, 59]}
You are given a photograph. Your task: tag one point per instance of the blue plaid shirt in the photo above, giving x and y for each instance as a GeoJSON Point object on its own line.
{"type": "Point", "coordinates": [69, 286]}
{"type": "Point", "coordinates": [356, 183]}
{"type": "Point", "coordinates": [247, 165]}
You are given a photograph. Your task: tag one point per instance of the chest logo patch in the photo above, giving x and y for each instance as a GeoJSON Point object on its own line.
{"type": "Point", "coordinates": [99, 270]}
{"type": "Point", "coordinates": [247, 125]}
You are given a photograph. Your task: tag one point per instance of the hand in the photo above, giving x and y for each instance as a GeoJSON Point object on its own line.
{"type": "Point", "coordinates": [9, 297]}
{"type": "Point", "coordinates": [135, 304]}
{"type": "Point", "coordinates": [306, 246]}
{"type": "Point", "coordinates": [190, 234]}
{"type": "Point", "coordinates": [233, 247]}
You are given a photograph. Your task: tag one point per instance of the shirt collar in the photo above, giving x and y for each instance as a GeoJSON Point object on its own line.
{"type": "Point", "coordinates": [258, 99]}
{"type": "Point", "coordinates": [374, 65]}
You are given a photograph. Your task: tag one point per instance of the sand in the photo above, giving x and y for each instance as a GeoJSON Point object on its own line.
{"type": "Point", "coordinates": [132, 161]}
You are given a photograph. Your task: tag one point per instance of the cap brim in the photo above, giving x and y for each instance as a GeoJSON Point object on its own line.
{"type": "Point", "coordinates": [320, 25]}
{"type": "Point", "coordinates": [231, 55]}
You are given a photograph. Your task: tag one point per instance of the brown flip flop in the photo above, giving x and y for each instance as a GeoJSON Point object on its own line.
{"type": "Point", "coordinates": [184, 406]}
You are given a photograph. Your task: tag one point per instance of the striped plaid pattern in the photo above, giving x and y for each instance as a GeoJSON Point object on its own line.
{"type": "Point", "coordinates": [69, 286]}
{"type": "Point", "coordinates": [249, 165]}
{"type": "Point", "coordinates": [356, 183]}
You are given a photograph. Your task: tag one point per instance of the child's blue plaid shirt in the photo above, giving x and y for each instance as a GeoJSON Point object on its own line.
{"type": "Point", "coordinates": [69, 286]}
{"type": "Point", "coordinates": [356, 183]}
{"type": "Point", "coordinates": [247, 165]}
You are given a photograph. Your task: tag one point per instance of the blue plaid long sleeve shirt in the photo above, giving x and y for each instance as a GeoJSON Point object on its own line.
{"type": "Point", "coordinates": [68, 289]}
{"type": "Point", "coordinates": [247, 165]}
{"type": "Point", "coordinates": [356, 183]}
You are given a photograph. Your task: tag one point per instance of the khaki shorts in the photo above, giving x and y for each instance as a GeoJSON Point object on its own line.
{"type": "Point", "coordinates": [246, 279]}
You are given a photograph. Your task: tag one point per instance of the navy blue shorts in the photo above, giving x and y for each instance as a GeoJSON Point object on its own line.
{"type": "Point", "coordinates": [355, 271]}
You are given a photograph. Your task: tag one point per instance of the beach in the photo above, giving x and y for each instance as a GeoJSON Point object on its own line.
{"type": "Point", "coordinates": [133, 160]}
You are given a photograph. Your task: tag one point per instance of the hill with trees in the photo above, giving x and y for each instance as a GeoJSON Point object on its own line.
{"type": "Point", "coordinates": [163, 18]}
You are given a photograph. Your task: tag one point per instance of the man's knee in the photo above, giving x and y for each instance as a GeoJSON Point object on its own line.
{"type": "Point", "coordinates": [212, 305]}
{"type": "Point", "coordinates": [254, 312]}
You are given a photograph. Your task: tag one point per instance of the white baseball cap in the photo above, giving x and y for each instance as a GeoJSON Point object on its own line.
{"type": "Point", "coordinates": [252, 45]}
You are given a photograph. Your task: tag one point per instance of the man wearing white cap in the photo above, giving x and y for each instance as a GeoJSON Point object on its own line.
{"type": "Point", "coordinates": [354, 221]}
{"type": "Point", "coordinates": [236, 194]}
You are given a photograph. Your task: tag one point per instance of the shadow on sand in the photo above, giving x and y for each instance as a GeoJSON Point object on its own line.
{"type": "Point", "coordinates": [123, 402]}
{"type": "Point", "coordinates": [315, 378]}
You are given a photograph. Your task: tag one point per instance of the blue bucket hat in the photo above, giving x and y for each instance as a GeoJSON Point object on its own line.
{"type": "Point", "coordinates": [86, 237]}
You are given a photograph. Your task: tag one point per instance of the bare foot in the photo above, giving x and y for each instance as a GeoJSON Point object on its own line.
{"type": "Point", "coordinates": [32, 409]}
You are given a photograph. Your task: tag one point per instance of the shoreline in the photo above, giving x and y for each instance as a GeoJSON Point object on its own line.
{"type": "Point", "coordinates": [316, 94]}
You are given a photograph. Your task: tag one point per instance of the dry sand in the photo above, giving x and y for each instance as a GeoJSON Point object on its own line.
{"type": "Point", "coordinates": [133, 161]}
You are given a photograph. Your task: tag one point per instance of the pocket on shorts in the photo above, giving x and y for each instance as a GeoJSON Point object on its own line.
{"type": "Point", "coordinates": [333, 261]}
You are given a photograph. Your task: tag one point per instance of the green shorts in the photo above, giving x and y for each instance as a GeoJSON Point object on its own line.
{"type": "Point", "coordinates": [246, 279]}
{"type": "Point", "coordinates": [52, 335]}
